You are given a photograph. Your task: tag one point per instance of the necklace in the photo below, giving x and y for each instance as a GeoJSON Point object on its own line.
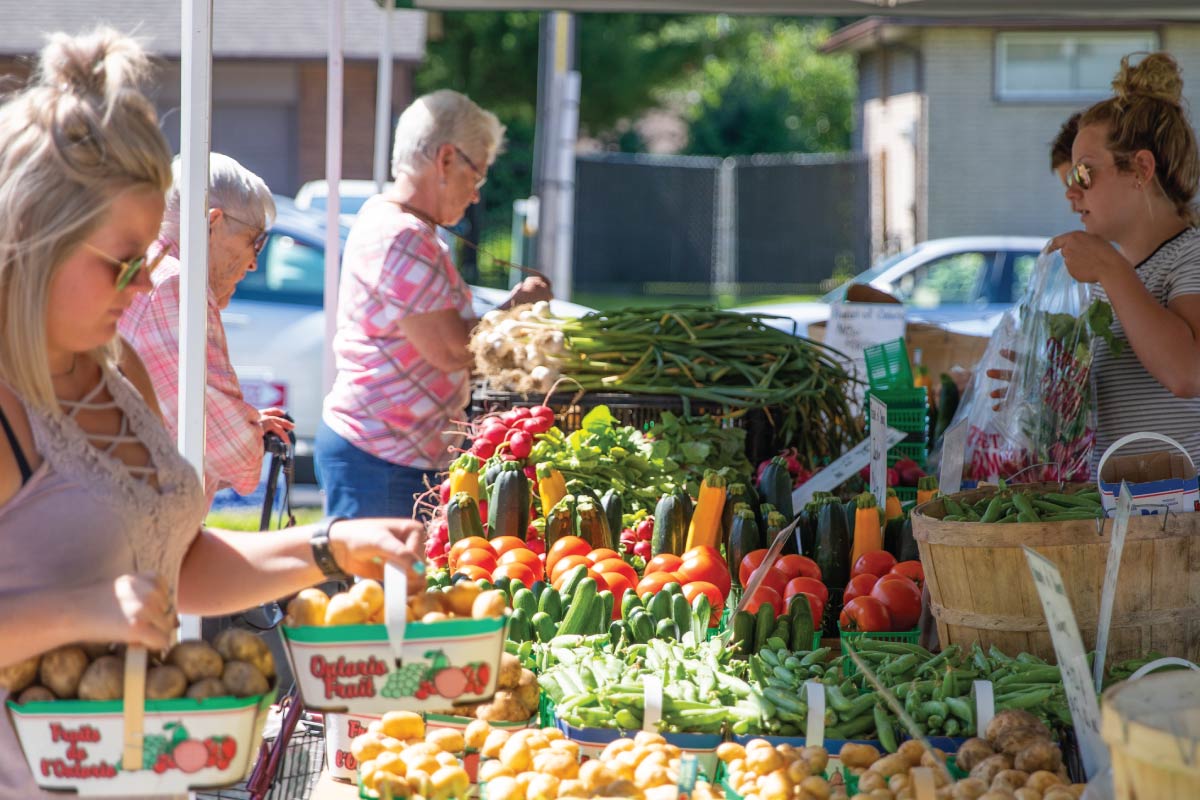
{"type": "Point", "coordinates": [71, 371]}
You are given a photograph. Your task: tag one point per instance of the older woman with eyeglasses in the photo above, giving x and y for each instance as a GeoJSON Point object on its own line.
{"type": "Point", "coordinates": [1133, 182]}
{"type": "Point", "coordinates": [404, 316]}
{"type": "Point", "coordinates": [241, 213]}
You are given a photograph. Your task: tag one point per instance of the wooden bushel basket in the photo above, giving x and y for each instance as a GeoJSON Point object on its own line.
{"type": "Point", "coordinates": [1152, 728]}
{"type": "Point", "coordinates": [981, 590]}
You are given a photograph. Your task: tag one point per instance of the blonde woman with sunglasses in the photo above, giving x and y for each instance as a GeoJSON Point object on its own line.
{"type": "Point", "coordinates": [100, 517]}
{"type": "Point", "coordinates": [241, 213]}
{"type": "Point", "coordinates": [1133, 182]}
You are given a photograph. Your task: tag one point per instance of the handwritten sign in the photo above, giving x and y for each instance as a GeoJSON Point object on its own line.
{"type": "Point", "coordinates": [840, 471]}
{"type": "Point", "coordinates": [879, 451]}
{"type": "Point", "coordinates": [1072, 661]}
{"type": "Point", "coordinates": [954, 448]}
{"type": "Point", "coordinates": [856, 326]}
{"type": "Point", "coordinates": [1108, 594]}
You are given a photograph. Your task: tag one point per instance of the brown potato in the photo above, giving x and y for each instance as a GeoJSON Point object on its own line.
{"type": "Point", "coordinates": [16, 677]}
{"type": "Point", "coordinates": [503, 708]}
{"type": "Point", "coordinates": [35, 694]}
{"type": "Point", "coordinates": [61, 669]}
{"type": "Point", "coordinates": [165, 682]}
{"type": "Point", "coordinates": [989, 768]}
{"type": "Point", "coordinates": [369, 593]}
{"type": "Point", "coordinates": [510, 672]}
{"type": "Point", "coordinates": [859, 755]}
{"type": "Point", "coordinates": [1013, 740]}
{"type": "Point", "coordinates": [489, 605]}
{"type": "Point", "coordinates": [528, 692]}
{"type": "Point", "coordinates": [207, 688]}
{"type": "Point", "coordinates": [243, 679]}
{"type": "Point", "coordinates": [1025, 793]}
{"type": "Point", "coordinates": [996, 794]}
{"type": "Point", "coordinates": [198, 660]}
{"type": "Point", "coordinates": [968, 789]}
{"type": "Point", "coordinates": [460, 597]}
{"type": "Point", "coordinates": [1041, 755]}
{"type": "Point", "coordinates": [307, 608]}
{"type": "Point", "coordinates": [104, 679]}
{"type": "Point", "coordinates": [1013, 718]}
{"type": "Point", "coordinates": [96, 649]}
{"type": "Point", "coordinates": [912, 752]}
{"type": "Point", "coordinates": [972, 752]}
{"type": "Point", "coordinates": [1042, 781]}
{"type": "Point", "coordinates": [235, 644]}
{"type": "Point", "coordinates": [1010, 780]}
{"type": "Point", "coordinates": [890, 765]}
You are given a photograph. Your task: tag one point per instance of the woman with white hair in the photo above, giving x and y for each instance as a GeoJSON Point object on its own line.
{"type": "Point", "coordinates": [404, 316]}
{"type": "Point", "coordinates": [241, 211]}
{"type": "Point", "coordinates": [100, 516]}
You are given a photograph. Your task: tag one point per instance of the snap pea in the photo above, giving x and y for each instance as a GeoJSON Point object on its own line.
{"type": "Point", "coordinates": [1025, 510]}
{"type": "Point", "coordinates": [995, 509]}
{"type": "Point", "coordinates": [884, 730]}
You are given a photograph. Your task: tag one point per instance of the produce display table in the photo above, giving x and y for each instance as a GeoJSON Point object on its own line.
{"type": "Point", "coordinates": [327, 788]}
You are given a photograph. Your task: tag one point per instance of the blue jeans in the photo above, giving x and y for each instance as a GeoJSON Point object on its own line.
{"type": "Point", "coordinates": [358, 484]}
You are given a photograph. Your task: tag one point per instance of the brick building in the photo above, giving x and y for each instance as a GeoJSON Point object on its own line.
{"type": "Point", "coordinates": [268, 72]}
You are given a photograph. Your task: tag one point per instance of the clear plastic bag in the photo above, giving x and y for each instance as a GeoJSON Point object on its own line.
{"type": "Point", "coordinates": [1044, 428]}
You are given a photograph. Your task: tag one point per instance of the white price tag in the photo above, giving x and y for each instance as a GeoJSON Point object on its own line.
{"type": "Point", "coordinates": [840, 471]}
{"type": "Point", "coordinates": [954, 448]}
{"type": "Point", "coordinates": [879, 449]}
{"type": "Point", "coordinates": [652, 687]}
{"type": "Point", "coordinates": [1072, 661]}
{"type": "Point", "coordinates": [1108, 594]}
{"type": "Point", "coordinates": [985, 706]}
{"type": "Point", "coordinates": [814, 731]}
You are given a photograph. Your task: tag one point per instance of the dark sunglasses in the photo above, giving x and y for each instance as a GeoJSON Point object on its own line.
{"type": "Point", "coordinates": [1080, 175]}
{"type": "Point", "coordinates": [260, 239]}
{"type": "Point", "coordinates": [128, 270]}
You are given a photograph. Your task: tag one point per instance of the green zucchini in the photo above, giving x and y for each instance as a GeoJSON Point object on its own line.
{"type": "Point", "coordinates": [551, 603]}
{"type": "Point", "coordinates": [593, 525]}
{"type": "Point", "coordinates": [743, 632]}
{"type": "Point", "coordinates": [893, 536]}
{"type": "Point", "coordinates": [832, 547]}
{"type": "Point", "coordinates": [462, 517]}
{"type": "Point", "coordinates": [560, 521]}
{"type": "Point", "coordinates": [583, 610]}
{"type": "Point", "coordinates": [734, 493]}
{"type": "Point", "coordinates": [544, 628]}
{"type": "Point", "coordinates": [681, 612]}
{"type": "Point", "coordinates": [908, 545]}
{"type": "Point", "coordinates": [508, 503]}
{"type": "Point", "coordinates": [743, 539]}
{"type": "Point", "coordinates": [670, 526]}
{"type": "Point", "coordinates": [614, 512]}
{"type": "Point", "coordinates": [775, 486]}
{"type": "Point", "coordinates": [948, 398]}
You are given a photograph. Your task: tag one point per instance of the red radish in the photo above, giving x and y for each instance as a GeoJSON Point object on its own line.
{"type": "Point", "coordinates": [535, 544]}
{"type": "Point", "coordinates": [483, 449]}
{"type": "Point", "coordinates": [645, 530]}
{"type": "Point", "coordinates": [642, 549]}
{"type": "Point", "coordinates": [444, 491]}
{"type": "Point", "coordinates": [493, 433]}
{"type": "Point", "coordinates": [520, 444]}
{"type": "Point", "coordinates": [544, 412]}
{"type": "Point", "coordinates": [531, 473]}
{"type": "Point", "coordinates": [536, 424]}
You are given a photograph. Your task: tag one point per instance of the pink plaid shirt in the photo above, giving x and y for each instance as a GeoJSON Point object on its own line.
{"type": "Point", "coordinates": [233, 448]}
{"type": "Point", "coordinates": [386, 399]}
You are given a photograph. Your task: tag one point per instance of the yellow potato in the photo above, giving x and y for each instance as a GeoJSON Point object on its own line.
{"type": "Point", "coordinates": [491, 769]}
{"type": "Point", "coordinates": [646, 738]}
{"type": "Point", "coordinates": [558, 763]}
{"type": "Point", "coordinates": [476, 734]}
{"type": "Point", "coordinates": [366, 747]}
{"type": "Point", "coordinates": [728, 751]}
{"type": "Point", "coordinates": [762, 760]}
{"type": "Point", "coordinates": [345, 610]}
{"type": "Point", "coordinates": [16, 677]}
{"type": "Point", "coordinates": [461, 596]}
{"type": "Point", "coordinates": [567, 746]}
{"type": "Point", "coordinates": [447, 759]}
{"type": "Point", "coordinates": [553, 734]}
{"type": "Point", "coordinates": [448, 739]}
{"type": "Point", "coordinates": [427, 603]}
{"type": "Point", "coordinates": [494, 742]}
{"type": "Point", "coordinates": [391, 762]}
{"type": "Point", "coordinates": [394, 786]}
{"type": "Point", "coordinates": [307, 608]}
{"type": "Point", "coordinates": [403, 725]}
{"type": "Point", "coordinates": [420, 782]}
{"type": "Point", "coordinates": [369, 593]}
{"type": "Point", "coordinates": [435, 616]}
{"type": "Point", "coordinates": [595, 774]}
{"type": "Point", "coordinates": [505, 788]}
{"type": "Point", "coordinates": [489, 605]}
{"type": "Point", "coordinates": [566, 789]}
{"type": "Point", "coordinates": [449, 781]}
{"type": "Point", "coordinates": [515, 755]}
{"type": "Point", "coordinates": [542, 787]}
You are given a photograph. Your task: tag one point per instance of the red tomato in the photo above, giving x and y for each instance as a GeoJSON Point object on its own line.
{"type": "Point", "coordinates": [749, 564]}
{"type": "Point", "coordinates": [473, 572]}
{"type": "Point", "coordinates": [619, 566]}
{"type": "Point", "coordinates": [814, 605]}
{"type": "Point", "coordinates": [477, 557]}
{"type": "Point", "coordinates": [902, 599]}
{"type": "Point", "coordinates": [876, 562]}
{"type": "Point", "coordinates": [462, 545]}
{"type": "Point", "coordinates": [515, 571]}
{"type": "Point", "coordinates": [765, 594]}
{"type": "Point", "coordinates": [703, 567]}
{"type": "Point", "coordinates": [859, 586]}
{"type": "Point", "coordinates": [566, 546]}
{"type": "Point", "coordinates": [566, 564]}
{"type": "Point", "coordinates": [664, 562]}
{"type": "Point", "coordinates": [911, 570]}
{"type": "Point", "coordinates": [527, 557]}
{"type": "Point", "coordinates": [771, 578]}
{"type": "Point", "coordinates": [865, 614]}
{"type": "Point", "coordinates": [602, 554]}
{"type": "Point", "coordinates": [654, 582]}
{"type": "Point", "coordinates": [794, 566]}
{"type": "Point", "coordinates": [618, 584]}
{"type": "Point", "coordinates": [702, 549]}
{"type": "Point", "coordinates": [808, 586]}
{"type": "Point", "coordinates": [502, 544]}
{"type": "Point", "coordinates": [696, 588]}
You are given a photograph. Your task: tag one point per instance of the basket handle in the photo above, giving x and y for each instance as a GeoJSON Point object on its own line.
{"type": "Point", "coordinates": [1137, 437]}
{"type": "Point", "coordinates": [1146, 669]}
{"type": "Point", "coordinates": [134, 708]}
{"type": "Point", "coordinates": [395, 608]}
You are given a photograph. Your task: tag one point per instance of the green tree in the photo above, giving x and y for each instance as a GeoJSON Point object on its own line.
{"type": "Point", "coordinates": [781, 94]}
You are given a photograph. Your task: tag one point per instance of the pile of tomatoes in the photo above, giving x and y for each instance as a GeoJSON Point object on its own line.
{"type": "Point", "coordinates": [789, 576]}
{"type": "Point", "coordinates": [700, 570]}
{"type": "Point", "coordinates": [882, 595]}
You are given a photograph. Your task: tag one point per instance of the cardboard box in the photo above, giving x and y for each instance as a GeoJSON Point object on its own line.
{"type": "Point", "coordinates": [941, 350]}
{"type": "Point", "coordinates": [1159, 481]}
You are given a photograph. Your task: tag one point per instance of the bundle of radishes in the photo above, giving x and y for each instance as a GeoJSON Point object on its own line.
{"type": "Point", "coordinates": [511, 433]}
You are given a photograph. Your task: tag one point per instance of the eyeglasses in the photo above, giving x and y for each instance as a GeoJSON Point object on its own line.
{"type": "Point", "coordinates": [260, 239]}
{"type": "Point", "coordinates": [128, 270]}
{"type": "Point", "coordinates": [1080, 175]}
{"type": "Point", "coordinates": [482, 178]}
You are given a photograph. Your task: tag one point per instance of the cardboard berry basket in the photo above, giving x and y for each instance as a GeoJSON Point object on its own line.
{"type": "Point", "coordinates": [136, 747]}
{"type": "Point", "coordinates": [396, 666]}
{"type": "Point", "coordinates": [471, 758]}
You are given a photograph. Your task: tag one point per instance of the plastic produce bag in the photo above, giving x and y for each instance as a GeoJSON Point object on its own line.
{"type": "Point", "coordinates": [1044, 428]}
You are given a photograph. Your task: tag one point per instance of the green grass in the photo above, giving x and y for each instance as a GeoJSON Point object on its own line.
{"type": "Point", "coordinates": [247, 519]}
{"type": "Point", "coordinates": [608, 301]}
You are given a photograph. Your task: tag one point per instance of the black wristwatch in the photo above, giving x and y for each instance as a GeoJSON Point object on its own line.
{"type": "Point", "coordinates": [322, 554]}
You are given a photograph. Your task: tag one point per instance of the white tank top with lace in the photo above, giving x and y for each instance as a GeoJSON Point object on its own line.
{"type": "Point", "coordinates": [85, 516]}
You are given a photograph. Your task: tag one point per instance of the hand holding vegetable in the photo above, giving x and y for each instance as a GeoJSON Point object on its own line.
{"type": "Point", "coordinates": [361, 546]}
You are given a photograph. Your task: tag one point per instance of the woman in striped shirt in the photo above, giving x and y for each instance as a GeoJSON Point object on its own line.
{"type": "Point", "coordinates": [1133, 181]}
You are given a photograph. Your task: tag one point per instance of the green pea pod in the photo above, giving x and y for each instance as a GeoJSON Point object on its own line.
{"type": "Point", "coordinates": [884, 729]}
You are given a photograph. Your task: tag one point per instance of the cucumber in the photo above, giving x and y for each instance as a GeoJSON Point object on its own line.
{"type": "Point", "coordinates": [681, 612]}
{"type": "Point", "coordinates": [743, 632]}
{"type": "Point", "coordinates": [764, 623]}
{"type": "Point", "coordinates": [666, 630]}
{"type": "Point", "coordinates": [571, 581]}
{"type": "Point", "coordinates": [544, 627]}
{"type": "Point", "coordinates": [519, 628]}
{"type": "Point", "coordinates": [660, 607]}
{"type": "Point", "coordinates": [583, 608]}
{"type": "Point", "coordinates": [607, 601]}
{"type": "Point", "coordinates": [551, 603]}
{"type": "Point", "coordinates": [628, 603]}
{"type": "Point", "coordinates": [802, 624]}
{"type": "Point", "coordinates": [538, 588]}
{"type": "Point", "coordinates": [642, 625]}
{"type": "Point", "coordinates": [524, 600]}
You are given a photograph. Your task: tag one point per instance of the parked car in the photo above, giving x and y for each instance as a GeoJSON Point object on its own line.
{"type": "Point", "coordinates": [275, 323]}
{"type": "Point", "coordinates": [352, 194]}
{"type": "Point", "coordinates": [963, 283]}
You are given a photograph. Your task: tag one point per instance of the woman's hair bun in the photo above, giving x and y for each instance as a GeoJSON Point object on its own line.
{"type": "Point", "coordinates": [1156, 76]}
{"type": "Point", "coordinates": [99, 64]}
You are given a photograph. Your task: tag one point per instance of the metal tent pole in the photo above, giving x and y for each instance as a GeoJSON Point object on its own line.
{"type": "Point", "coordinates": [333, 176]}
{"type": "Point", "coordinates": [383, 100]}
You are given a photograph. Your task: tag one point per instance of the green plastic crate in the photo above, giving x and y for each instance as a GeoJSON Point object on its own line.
{"type": "Point", "coordinates": [915, 451]}
{"type": "Point", "coordinates": [888, 366]}
{"type": "Point", "coordinates": [904, 637]}
{"type": "Point", "coordinates": [906, 494]}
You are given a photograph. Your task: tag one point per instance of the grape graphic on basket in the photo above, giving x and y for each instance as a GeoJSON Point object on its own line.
{"type": "Point", "coordinates": [437, 678]}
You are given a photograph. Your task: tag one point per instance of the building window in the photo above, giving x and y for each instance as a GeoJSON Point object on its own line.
{"type": "Point", "coordinates": [1063, 65]}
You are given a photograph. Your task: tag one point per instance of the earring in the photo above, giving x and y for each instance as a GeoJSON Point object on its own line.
{"type": "Point", "coordinates": [1138, 184]}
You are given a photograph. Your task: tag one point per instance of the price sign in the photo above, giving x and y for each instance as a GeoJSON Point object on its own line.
{"type": "Point", "coordinates": [1108, 594]}
{"type": "Point", "coordinates": [954, 447]}
{"type": "Point", "coordinates": [879, 449]}
{"type": "Point", "coordinates": [840, 471]}
{"type": "Point", "coordinates": [1072, 661]}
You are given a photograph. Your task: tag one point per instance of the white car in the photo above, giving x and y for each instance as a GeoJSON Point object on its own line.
{"type": "Point", "coordinates": [352, 194]}
{"type": "Point", "coordinates": [962, 284]}
{"type": "Point", "coordinates": [275, 324]}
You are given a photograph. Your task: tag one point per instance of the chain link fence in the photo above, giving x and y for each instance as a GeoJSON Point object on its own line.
{"type": "Point", "coordinates": [742, 226]}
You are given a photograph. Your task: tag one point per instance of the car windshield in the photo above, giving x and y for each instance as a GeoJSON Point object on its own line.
{"type": "Point", "coordinates": [349, 205]}
{"type": "Point", "coordinates": [839, 294]}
